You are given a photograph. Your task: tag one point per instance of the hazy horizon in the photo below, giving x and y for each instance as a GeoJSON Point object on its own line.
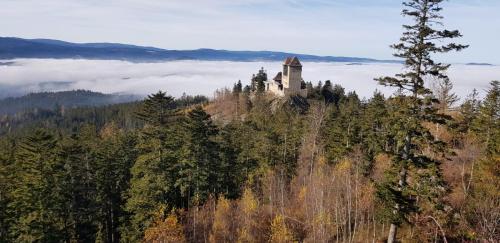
{"type": "Point", "coordinates": [203, 77]}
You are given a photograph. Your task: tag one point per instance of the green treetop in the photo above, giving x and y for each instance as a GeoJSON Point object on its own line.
{"type": "Point", "coordinates": [415, 103]}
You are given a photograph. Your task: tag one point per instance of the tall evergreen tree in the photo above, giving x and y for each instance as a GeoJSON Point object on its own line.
{"type": "Point", "coordinates": [200, 162]}
{"type": "Point", "coordinates": [157, 109]}
{"type": "Point", "coordinates": [487, 124]}
{"type": "Point", "coordinates": [342, 127]}
{"type": "Point", "coordinates": [469, 111]}
{"type": "Point", "coordinates": [374, 127]}
{"type": "Point", "coordinates": [78, 190]}
{"type": "Point", "coordinates": [327, 92]}
{"type": "Point", "coordinates": [232, 170]}
{"type": "Point", "coordinates": [37, 198]}
{"type": "Point", "coordinates": [115, 156]}
{"type": "Point", "coordinates": [153, 175]}
{"type": "Point", "coordinates": [420, 40]}
{"type": "Point", "coordinates": [338, 94]}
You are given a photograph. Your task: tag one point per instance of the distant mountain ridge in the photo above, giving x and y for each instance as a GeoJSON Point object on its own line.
{"type": "Point", "coordinates": [65, 99]}
{"type": "Point", "coordinates": [11, 48]}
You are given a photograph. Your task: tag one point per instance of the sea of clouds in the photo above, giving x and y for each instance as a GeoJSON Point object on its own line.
{"type": "Point", "coordinates": [21, 76]}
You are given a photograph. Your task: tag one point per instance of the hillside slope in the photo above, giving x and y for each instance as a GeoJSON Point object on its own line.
{"type": "Point", "coordinates": [66, 99]}
{"type": "Point", "coordinates": [11, 48]}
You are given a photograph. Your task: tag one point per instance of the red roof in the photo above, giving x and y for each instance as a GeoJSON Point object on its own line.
{"type": "Point", "coordinates": [293, 61]}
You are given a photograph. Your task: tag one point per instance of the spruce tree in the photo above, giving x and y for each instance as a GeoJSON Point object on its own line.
{"type": "Point", "coordinates": [444, 93]}
{"type": "Point", "coordinates": [36, 198]}
{"type": "Point", "coordinates": [237, 88]}
{"type": "Point", "coordinates": [338, 93]}
{"type": "Point", "coordinates": [200, 170]}
{"type": "Point", "coordinates": [115, 156]}
{"type": "Point", "coordinates": [487, 123]}
{"type": "Point", "coordinates": [258, 80]}
{"type": "Point", "coordinates": [415, 104]}
{"type": "Point", "coordinates": [153, 175]}
{"type": "Point", "coordinates": [469, 111]}
{"type": "Point", "coordinates": [342, 127]}
{"type": "Point", "coordinates": [327, 92]}
{"type": "Point", "coordinates": [374, 128]}
{"type": "Point", "coordinates": [231, 171]}
{"type": "Point", "coordinates": [78, 189]}
{"type": "Point", "coordinates": [157, 109]}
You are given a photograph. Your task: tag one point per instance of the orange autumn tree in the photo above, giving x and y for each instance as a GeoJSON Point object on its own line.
{"type": "Point", "coordinates": [165, 230]}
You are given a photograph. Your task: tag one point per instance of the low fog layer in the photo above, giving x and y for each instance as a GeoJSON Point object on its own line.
{"type": "Point", "coordinates": [22, 76]}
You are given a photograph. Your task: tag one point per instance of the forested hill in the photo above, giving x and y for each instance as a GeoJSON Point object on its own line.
{"type": "Point", "coordinates": [246, 162]}
{"type": "Point", "coordinates": [11, 48]}
{"type": "Point", "coordinates": [64, 99]}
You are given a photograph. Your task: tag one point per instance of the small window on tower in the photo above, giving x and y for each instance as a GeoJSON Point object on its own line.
{"type": "Point", "coordinates": [285, 70]}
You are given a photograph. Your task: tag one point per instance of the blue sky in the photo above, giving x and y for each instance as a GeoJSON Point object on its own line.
{"type": "Point", "coordinates": [325, 27]}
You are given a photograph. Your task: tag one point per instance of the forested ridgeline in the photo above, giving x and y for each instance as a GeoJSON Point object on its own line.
{"type": "Point", "coordinates": [67, 118]}
{"type": "Point", "coordinates": [61, 100]}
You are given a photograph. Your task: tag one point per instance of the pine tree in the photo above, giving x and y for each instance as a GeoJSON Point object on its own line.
{"type": "Point", "coordinates": [338, 94]}
{"type": "Point", "coordinates": [258, 80]}
{"type": "Point", "coordinates": [342, 127]}
{"type": "Point", "coordinates": [315, 91]}
{"type": "Point", "coordinates": [415, 103]}
{"type": "Point", "coordinates": [374, 128]}
{"type": "Point", "coordinates": [155, 171]}
{"type": "Point", "coordinates": [115, 154]}
{"type": "Point", "coordinates": [327, 92]}
{"type": "Point", "coordinates": [237, 88]}
{"type": "Point", "coordinates": [487, 123]}
{"type": "Point", "coordinates": [247, 89]}
{"type": "Point", "coordinates": [37, 199]}
{"type": "Point", "coordinates": [469, 111]}
{"type": "Point", "coordinates": [157, 109]}
{"type": "Point", "coordinates": [78, 189]}
{"type": "Point", "coordinates": [331, 94]}
{"type": "Point", "coordinates": [231, 168]}
{"type": "Point", "coordinates": [443, 90]}
{"type": "Point", "coordinates": [200, 162]}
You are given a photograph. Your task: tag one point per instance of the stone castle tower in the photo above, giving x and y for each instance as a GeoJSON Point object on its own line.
{"type": "Point", "coordinates": [289, 81]}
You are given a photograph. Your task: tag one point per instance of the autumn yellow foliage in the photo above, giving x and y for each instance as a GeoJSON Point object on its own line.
{"type": "Point", "coordinates": [165, 231]}
{"type": "Point", "coordinates": [279, 231]}
{"type": "Point", "coordinates": [221, 225]}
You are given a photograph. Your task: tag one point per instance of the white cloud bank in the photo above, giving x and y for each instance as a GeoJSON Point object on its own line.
{"type": "Point", "coordinates": [202, 77]}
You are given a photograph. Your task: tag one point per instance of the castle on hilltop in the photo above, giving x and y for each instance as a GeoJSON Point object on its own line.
{"type": "Point", "coordinates": [289, 81]}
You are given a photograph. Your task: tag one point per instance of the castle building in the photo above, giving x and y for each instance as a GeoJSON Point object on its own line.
{"type": "Point", "coordinates": [289, 81]}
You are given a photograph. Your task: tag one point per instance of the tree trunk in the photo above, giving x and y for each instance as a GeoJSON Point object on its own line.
{"type": "Point", "coordinates": [392, 234]}
{"type": "Point", "coordinates": [401, 184]}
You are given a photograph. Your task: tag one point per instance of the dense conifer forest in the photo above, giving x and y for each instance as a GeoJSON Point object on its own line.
{"type": "Point", "coordinates": [417, 166]}
{"type": "Point", "coordinates": [247, 167]}
{"type": "Point", "coordinates": [61, 100]}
